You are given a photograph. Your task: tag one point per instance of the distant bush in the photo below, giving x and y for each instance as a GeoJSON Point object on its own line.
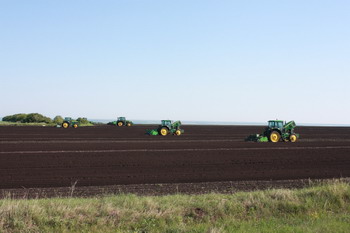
{"type": "Point", "coordinates": [28, 118]}
{"type": "Point", "coordinates": [83, 120]}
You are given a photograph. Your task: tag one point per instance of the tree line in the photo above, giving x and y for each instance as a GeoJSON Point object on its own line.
{"type": "Point", "coordinates": [39, 118]}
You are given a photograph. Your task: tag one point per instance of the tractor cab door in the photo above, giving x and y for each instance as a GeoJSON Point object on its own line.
{"type": "Point", "coordinates": [122, 119]}
{"type": "Point", "coordinates": [272, 124]}
{"type": "Point", "coordinates": [68, 119]}
{"type": "Point", "coordinates": [279, 125]}
{"type": "Point", "coordinates": [276, 125]}
{"type": "Point", "coordinates": [166, 123]}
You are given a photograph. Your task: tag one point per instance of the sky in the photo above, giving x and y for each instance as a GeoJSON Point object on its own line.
{"type": "Point", "coordinates": [190, 60]}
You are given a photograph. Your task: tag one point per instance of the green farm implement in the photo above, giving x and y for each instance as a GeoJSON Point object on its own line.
{"type": "Point", "coordinates": [69, 122]}
{"type": "Point", "coordinates": [167, 127]}
{"type": "Point", "coordinates": [276, 131]}
{"type": "Point", "coordinates": [121, 121]}
{"type": "Point", "coordinates": [152, 132]}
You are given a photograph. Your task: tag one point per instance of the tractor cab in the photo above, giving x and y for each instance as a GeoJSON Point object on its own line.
{"type": "Point", "coordinates": [167, 123]}
{"type": "Point", "coordinates": [69, 119]}
{"type": "Point", "coordinates": [121, 119]}
{"type": "Point", "coordinates": [275, 124]}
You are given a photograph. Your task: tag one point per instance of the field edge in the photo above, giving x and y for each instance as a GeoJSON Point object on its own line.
{"type": "Point", "coordinates": [321, 208]}
{"type": "Point", "coordinates": [223, 187]}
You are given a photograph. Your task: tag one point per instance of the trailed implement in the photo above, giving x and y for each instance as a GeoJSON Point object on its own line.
{"type": "Point", "coordinates": [276, 131]}
{"type": "Point", "coordinates": [167, 127]}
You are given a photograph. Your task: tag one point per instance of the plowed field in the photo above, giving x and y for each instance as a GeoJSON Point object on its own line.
{"type": "Point", "coordinates": [43, 157]}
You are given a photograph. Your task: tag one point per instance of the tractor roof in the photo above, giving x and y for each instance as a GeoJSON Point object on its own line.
{"type": "Point", "coordinates": [275, 121]}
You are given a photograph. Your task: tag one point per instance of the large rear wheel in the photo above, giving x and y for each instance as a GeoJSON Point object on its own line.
{"type": "Point", "coordinates": [65, 125]}
{"type": "Point", "coordinates": [293, 138]}
{"type": "Point", "coordinates": [164, 131]}
{"type": "Point", "coordinates": [275, 136]}
{"type": "Point", "coordinates": [120, 123]}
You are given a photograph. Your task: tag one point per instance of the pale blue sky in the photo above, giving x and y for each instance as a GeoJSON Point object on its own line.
{"type": "Point", "coordinates": [247, 61]}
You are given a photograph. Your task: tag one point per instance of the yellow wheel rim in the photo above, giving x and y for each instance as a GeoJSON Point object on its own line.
{"type": "Point", "coordinates": [163, 132]}
{"type": "Point", "coordinates": [274, 137]}
{"type": "Point", "coordinates": [65, 125]}
{"type": "Point", "coordinates": [293, 138]}
{"type": "Point", "coordinates": [75, 126]}
{"type": "Point", "coordinates": [129, 124]}
{"type": "Point", "coordinates": [178, 132]}
{"type": "Point", "coordinates": [120, 123]}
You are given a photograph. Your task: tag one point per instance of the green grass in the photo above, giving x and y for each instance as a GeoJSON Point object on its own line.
{"type": "Point", "coordinates": [324, 208]}
{"type": "Point", "coordinates": [87, 124]}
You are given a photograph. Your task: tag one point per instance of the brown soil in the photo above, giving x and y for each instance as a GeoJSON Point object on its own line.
{"type": "Point", "coordinates": [106, 158]}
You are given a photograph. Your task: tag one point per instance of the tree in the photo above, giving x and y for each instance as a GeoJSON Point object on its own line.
{"type": "Point", "coordinates": [58, 120]}
{"type": "Point", "coordinates": [37, 118]}
{"type": "Point", "coordinates": [15, 118]}
{"type": "Point", "coordinates": [28, 118]}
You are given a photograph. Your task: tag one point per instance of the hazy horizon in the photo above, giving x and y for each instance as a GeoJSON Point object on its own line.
{"type": "Point", "coordinates": [189, 122]}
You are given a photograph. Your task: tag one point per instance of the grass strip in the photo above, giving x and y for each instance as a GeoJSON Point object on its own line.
{"type": "Point", "coordinates": [322, 208]}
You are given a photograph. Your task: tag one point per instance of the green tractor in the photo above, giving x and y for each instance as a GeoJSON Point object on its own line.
{"type": "Point", "coordinates": [276, 131]}
{"type": "Point", "coordinates": [167, 127]}
{"type": "Point", "coordinates": [121, 121]}
{"type": "Point", "coordinates": [69, 122]}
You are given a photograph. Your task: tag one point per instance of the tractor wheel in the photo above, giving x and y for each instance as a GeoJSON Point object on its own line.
{"type": "Point", "coordinates": [293, 138]}
{"type": "Point", "coordinates": [164, 131]}
{"type": "Point", "coordinates": [75, 126]}
{"type": "Point", "coordinates": [275, 136]}
{"type": "Point", "coordinates": [120, 123]}
{"type": "Point", "coordinates": [128, 124]}
{"type": "Point", "coordinates": [65, 125]}
{"type": "Point", "coordinates": [178, 132]}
